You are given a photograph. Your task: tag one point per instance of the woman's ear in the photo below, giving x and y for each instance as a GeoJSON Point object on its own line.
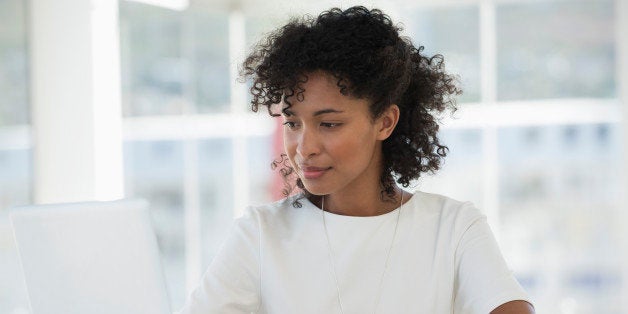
{"type": "Point", "coordinates": [387, 122]}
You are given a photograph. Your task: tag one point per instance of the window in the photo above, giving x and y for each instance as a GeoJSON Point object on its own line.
{"type": "Point", "coordinates": [536, 144]}
{"type": "Point", "coordinates": [542, 159]}
{"type": "Point", "coordinates": [191, 148]}
{"type": "Point", "coordinates": [555, 49]}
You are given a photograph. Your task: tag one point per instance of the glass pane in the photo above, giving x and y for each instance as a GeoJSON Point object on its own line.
{"type": "Point", "coordinates": [173, 62]}
{"type": "Point", "coordinates": [154, 171]}
{"type": "Point", "coordinates": [153, 69]}
{"type": "Point", "coordinates": [460, 176]}
{"type": "Point", "coordinates": [13, 61]}
{"type": "Point", "coordinates": [260, 156]}
{"type": "Point", "coordinates": [551, 49]}
{"type": "Point", "coordinates": [259, 26]}
{"type": "Point", "coordinates": [559, 196]}
{"type": "Point", "coordinates": [454, 33]}
{"type": "Point", "coordinates": [15, 177]}
{"type": "Point", "coordinates": [210, 39]}
{"type": "Point", "coordinates": [15, 189]}
{"type": "Point", "coordinates": [216, 192]}
{"type": "Point", "coordinates": [15, 164]}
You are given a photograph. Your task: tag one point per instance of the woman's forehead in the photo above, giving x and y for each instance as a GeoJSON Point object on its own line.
{"type": "Point", "coordinates": [314, 82]}
{"type": "Point", "coordinates": [321, 107]}
{"type": "Point", "coordinates": [318, 94]}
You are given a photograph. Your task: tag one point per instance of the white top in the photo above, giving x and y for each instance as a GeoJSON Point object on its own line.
{"type": "Point", "coordinates": [276, 260]}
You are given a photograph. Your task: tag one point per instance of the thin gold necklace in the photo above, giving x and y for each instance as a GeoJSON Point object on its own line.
{"type": "Point", "coordinates": [331, 256]}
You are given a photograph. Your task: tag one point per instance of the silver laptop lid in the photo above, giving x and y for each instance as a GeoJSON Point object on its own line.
{"type": "Point", "coordinates": [91, 257]}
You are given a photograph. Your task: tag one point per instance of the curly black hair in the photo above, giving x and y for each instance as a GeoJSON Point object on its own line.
{"type": "Point", "coordinates": [363, 50]}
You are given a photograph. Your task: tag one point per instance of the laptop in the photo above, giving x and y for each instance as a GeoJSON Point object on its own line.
{"type": "Point", "coordinates": [90, 258]}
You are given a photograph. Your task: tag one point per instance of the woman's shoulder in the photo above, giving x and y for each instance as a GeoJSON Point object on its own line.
{"type": "Point", "coordinates": [448, 209]}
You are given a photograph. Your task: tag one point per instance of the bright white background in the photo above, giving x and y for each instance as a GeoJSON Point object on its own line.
{"type": "Point", "coordinates": [102, 99]}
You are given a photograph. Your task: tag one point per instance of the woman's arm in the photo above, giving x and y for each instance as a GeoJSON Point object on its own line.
{"type": "Point", "coordinates": [514, 307]}
{"type": "Point", "coordinates": [484, 283]}
{"type": "Point", "coordinates": [231, 282]}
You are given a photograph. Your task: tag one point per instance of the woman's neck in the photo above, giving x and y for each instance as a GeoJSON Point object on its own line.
{"type": "Point", "coordinates": [361, 204]}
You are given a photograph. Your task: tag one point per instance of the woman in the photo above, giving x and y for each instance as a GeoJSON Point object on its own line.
{"type": "Point", "coordinates": [359, 105]}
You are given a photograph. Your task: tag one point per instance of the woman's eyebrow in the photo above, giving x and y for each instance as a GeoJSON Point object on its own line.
{"type": "Point", "coordinates": [286, 112]}
{"type": "Point", "coordinates": [289, 113]}
{"type": "Point", "coordinates": [324, 111]}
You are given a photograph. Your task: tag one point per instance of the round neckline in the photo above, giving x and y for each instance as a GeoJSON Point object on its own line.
{"type": "Point", "coordinates": [362, 218]}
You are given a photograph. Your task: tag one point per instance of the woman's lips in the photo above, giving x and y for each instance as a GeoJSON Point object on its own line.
{"type": "Point", "coordinates": [313, 172]}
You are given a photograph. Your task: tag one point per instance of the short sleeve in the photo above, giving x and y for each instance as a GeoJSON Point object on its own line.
{"type": "Point", "coordinates": [231, 282]}
{"type": "Point", "coordinates": [483, 280]}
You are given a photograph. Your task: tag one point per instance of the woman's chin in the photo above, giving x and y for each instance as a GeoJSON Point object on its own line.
{"type": "Point", "coordinates": [315, 189]}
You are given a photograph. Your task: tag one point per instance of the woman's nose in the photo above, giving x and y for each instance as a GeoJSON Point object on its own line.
{"type": "Point", "coordinates": [308, 144]}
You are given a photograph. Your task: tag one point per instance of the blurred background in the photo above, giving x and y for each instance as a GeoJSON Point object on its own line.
{"type": "Point", "coordinates": [102, 99]}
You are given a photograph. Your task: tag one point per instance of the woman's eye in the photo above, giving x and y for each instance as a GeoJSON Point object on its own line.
{"type": "Point", "coordinates": [289, 124]}
{"type": "Point", "coordinates": [330, 124]}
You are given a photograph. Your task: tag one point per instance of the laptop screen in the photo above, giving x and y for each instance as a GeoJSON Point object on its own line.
{"type": "Point", "coordinates": [92, 257]}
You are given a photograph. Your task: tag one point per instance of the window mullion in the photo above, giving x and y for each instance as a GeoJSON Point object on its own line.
{"type": "Point", "coordinates": [621, 42]}
{"type": "Point", "coordinates": [241, 173]}
{"type": "Point", "coordinates": [191, 181]}
{"type": "Point", "coordinates": [488, 96]}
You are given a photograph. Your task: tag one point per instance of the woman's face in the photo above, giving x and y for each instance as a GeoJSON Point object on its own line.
{"type": "Point", "coordinates": [332, 142]}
